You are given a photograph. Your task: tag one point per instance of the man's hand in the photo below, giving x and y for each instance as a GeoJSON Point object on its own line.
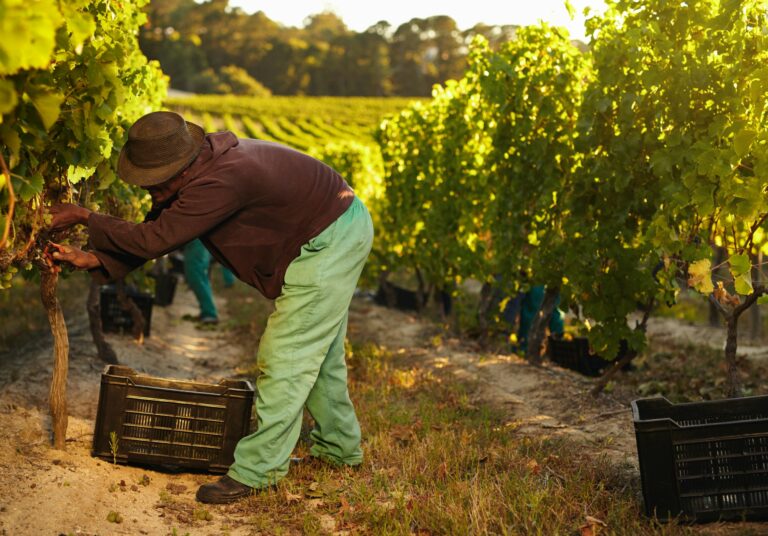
{"type": "Point", "coordinates": [65, 215]}
{"type": "Point", "coordinates": [82, 260]}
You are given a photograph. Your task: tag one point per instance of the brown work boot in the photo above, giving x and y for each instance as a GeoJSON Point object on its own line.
{"type": "Point", "coordinates": [223, 491]}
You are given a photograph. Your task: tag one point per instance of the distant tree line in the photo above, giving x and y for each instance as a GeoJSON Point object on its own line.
{"type": "Point", "coordinates": [211, 47]}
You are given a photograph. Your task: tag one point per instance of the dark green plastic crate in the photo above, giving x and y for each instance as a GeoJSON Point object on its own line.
{"type": "Point", "coordinates": [171, 423]}
{"type": "Point", "coordinates": [575, 354]}
{"type": "Point", "coordinates": [114, 319]}
{"type": "Point", "coordinates": [703, 461]}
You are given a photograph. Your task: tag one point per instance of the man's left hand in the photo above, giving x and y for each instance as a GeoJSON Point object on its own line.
{"type": "Point", "coordinates": [65, 215]}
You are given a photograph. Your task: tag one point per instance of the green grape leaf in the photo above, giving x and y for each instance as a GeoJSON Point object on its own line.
{"type": "Point", "coordinates": [48, 105]}
{"type": "Point", "coordinates": [743, 284]}
{"type": "Point", "coordinates": [76, 173]}
{"type": "Point", "coordinates": [28, 34]}
{"type": "Point", "coordinates": [762, 300]}
{"type": "Point", "coordinates": [28, 187]}
{"type": "Point", "coordinates": [700, 276]}
{"type": "Point", "coordinates": [570, 9]}
{"type": "Point", "coordinates": [81, 26]}
{"type": "Point", "coordinates": [8, 97]}
{"type": "Point", "coordinates": [739, 265]}
{"type": "Point", "coordinates": [11, 139]}
{"type": "Point", "coordinates": [743, 140]}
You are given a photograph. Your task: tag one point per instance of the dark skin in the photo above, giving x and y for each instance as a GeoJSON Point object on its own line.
{"type": "Point", "coordinates": [65, 215]}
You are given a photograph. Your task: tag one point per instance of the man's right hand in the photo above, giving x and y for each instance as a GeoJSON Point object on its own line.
{"type": "Point", "coordinates": [65, 215]}
{"type": "Point", "coordinates": [82, 260]}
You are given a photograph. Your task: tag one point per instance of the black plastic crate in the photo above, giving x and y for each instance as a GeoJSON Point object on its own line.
{"type": "Point", "coordinates": [574, 354]}
{"type": "Point", "coordinates": [703, 461]}
{"type": "Point", "coordinates": [172, 423]}
{"type": "Point", "coordinates": [165, 289]}
{"type": "Point", "coordinates": [176, 259]}
{"type": "Point", "coordinates": [114, 319]}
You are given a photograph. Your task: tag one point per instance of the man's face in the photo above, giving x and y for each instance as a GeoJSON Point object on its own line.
{"type": "Point", "coordinates": [160, 193]}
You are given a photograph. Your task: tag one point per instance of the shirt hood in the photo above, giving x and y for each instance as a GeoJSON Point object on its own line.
{"type": "Point", "coordinates": [215, 145]}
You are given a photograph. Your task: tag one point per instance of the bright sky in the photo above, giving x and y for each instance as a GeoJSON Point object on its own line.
{"type": "Point", "coordinates": [361, 14]}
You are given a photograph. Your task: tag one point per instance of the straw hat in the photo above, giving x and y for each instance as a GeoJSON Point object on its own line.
{"type": "Point", "coordinates": [160, 145]}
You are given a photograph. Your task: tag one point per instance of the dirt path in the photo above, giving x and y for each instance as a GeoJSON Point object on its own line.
{"type": "Point", "coordinates": [49, 492]}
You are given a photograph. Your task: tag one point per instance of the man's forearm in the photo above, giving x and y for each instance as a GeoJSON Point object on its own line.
{"type": "Point", "coordinates": [84, 214]}
{"type": "Point", "coordinates": [90, 261]}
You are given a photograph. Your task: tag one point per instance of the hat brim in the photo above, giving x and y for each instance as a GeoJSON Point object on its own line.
{"type": "Point", "coordinates": [139, 176]}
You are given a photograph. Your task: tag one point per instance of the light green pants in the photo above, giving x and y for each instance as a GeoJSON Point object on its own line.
{"type": "Point", "coordinates": [301, 357]}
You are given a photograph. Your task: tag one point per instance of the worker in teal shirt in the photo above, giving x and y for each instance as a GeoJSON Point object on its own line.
{"type": "Point", "coordinates": [529, 304]}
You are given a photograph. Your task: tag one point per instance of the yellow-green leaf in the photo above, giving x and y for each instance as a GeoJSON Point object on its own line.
{"type": "Point", "coordinates": [743, 284]}
{"type": "Point", "coordinates": [739, 265]}
{"type": "Point", "coordinates": [8, 97]}
{"type": "Point", "coordinates": [76, 173]}
{"type": "Point", "coordinates": [48, 105]}
{"type": "Point", "coordinates": [10, 138]}
{"type": "Point", "coordinates": [27, 34]}
{"type": "Point", "coordinates": [743, 140]}
{"type": "Point", "coordinates": [81, 26]}
{"type": "Point", "coordinates": [570, 9]}
{"type": "Point", "coordinates": [700, 276]}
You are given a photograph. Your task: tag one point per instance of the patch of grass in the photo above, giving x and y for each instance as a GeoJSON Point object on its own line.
{"type": "Point", "coordinates": [439, 464]}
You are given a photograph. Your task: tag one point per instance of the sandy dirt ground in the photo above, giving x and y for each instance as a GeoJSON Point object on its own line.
{"type": "Point", "coordinates": [50, 492]}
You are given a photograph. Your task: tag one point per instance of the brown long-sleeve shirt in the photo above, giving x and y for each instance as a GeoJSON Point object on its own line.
{"type": "Point", "coordinates": [253, 203]}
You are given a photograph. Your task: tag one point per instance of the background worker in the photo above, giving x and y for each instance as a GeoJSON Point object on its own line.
{"type": "Point", "coordinates": [530, 304]}
{"type": "Point", "coordinates": [197, 273]}
{"type": "Point", "coordinates": [284, 223]}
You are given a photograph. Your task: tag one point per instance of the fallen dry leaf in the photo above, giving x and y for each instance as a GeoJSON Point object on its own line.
{"type": "Point", "coordinates": [386, 505]}
{"type": "Point", "coordinates": [176, 489]}
{"type": "Point", "coordinates": [314, 491]}
{"type": "Point", "coordinates": [292, 497]}
{"type": "Point", "coordinates": [314, 504]}
{"type": "Point", "coordinates": [533, 466]}
{"type": "Point", "coordinates": [592, 526]}
{"type": "Point", "coordinates": [345, 507]}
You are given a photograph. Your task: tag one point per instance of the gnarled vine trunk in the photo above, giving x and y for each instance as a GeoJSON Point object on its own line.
{"type": "Point", "coordinates": [619, 364]}
{"type": "Point", "coordinates": [58, 393]}
{"type": "Point", "coordinates": [731, 316]}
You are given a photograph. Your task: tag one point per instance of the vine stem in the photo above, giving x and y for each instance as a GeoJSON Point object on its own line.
{"type": "Point", "coordinates": [11, 201]}
{"type": "Point", "coordinates": [58, 394]}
